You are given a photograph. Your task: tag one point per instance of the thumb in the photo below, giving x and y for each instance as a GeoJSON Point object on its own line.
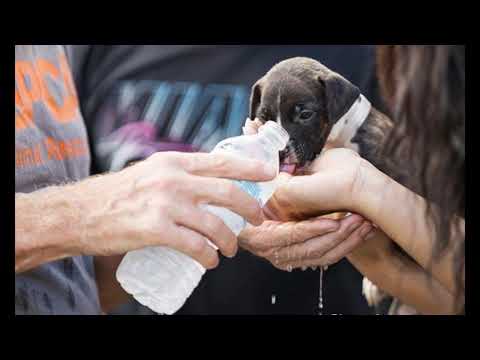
{"type": "Point", "coordinates": [304, 196]}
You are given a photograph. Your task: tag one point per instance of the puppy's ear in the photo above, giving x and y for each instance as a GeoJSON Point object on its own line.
{"type": "Point", "coordinates": [340, 94]}
{"type": "Point", "coordinates": [255, 96]}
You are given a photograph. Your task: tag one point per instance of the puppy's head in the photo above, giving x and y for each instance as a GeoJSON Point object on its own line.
{"type": "Point", "coordinates": [306, 99]}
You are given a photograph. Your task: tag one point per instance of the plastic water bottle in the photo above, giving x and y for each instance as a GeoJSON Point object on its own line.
{"type": "Point", "coordinates": [162, 278]}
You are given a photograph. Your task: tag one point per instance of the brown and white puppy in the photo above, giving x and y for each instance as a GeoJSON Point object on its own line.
{"type": "Point", "coordinates": [314, 105]}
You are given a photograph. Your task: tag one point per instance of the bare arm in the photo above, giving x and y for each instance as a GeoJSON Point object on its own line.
{"type": "Point", "coordinates": [400, 213]}
{"type": "Point", "coordinates": [400, 276]}
{"type": "Point", "coordinates": [154, 202]}
{"type": "Point", "coordinates": [47, 230]}
{"type": "Point", "coordinates": [342, 180]}
{"type": "Point", "coordinates": [44, 228]}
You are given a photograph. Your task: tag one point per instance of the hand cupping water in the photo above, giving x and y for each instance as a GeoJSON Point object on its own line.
{"type": "Point", "coordinates": [308, 243]}
{"type": "Point", "coordinates": [308, 240]}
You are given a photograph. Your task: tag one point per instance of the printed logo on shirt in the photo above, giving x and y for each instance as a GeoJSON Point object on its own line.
{"type": "Point", "coordinates": [42, 83]}
{"type": "Point", "coordinates": [145, 116]}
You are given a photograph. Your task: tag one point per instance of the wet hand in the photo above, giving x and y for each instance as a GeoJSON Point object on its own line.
{"type": "Point", "coordinates": [310, 243]}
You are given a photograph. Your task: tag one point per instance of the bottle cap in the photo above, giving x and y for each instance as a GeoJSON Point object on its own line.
{"type": "Point", "coordinates": [276, 133]}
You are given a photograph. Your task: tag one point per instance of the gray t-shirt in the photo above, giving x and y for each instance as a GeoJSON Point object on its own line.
{"type": "Point", "coordinates": [51, 148]}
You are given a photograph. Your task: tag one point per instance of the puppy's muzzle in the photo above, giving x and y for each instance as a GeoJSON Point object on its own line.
{"type": "Point", "coordinates": [298, 153]}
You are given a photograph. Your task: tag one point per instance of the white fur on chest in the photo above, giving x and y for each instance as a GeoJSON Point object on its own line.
{"type": "Point", "coordinates": [347, 126]}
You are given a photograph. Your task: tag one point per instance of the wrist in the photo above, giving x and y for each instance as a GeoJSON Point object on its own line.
{"type": "Point", "coordinates": [369, 189]}
{"type": "Point", "coordinates": [94, 199]}
{"type": "Point", "coordinates": [107, 203]}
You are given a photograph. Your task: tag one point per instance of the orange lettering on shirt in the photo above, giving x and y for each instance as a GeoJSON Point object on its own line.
{"type": "Point", "coordinates": [28, 156]}
{"type": "Point", "coordinates": [52, 149]}
{"type": "Point", "coordinates": [59, 150]}
{"type": "Point", "coordinates": [25, 95]}
{"type": "Point", "coordinates": [65, 112]}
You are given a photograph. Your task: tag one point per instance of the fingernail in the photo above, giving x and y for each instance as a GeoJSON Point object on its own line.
{"type": "Point", "coordinates": [233, 253]}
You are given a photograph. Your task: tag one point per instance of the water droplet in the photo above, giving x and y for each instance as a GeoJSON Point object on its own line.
{"type": "Point", "coordinates": [320, 295]}
{"type": "Point", "coordinates": [289, 268]}
{"type": "Point", "coordinates": [274, 299]}
{"type": "Point", "coordinates": [304, 268]}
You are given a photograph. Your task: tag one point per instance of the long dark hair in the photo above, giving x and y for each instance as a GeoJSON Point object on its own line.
{"type": "Point", "coordinates": [423, 87]}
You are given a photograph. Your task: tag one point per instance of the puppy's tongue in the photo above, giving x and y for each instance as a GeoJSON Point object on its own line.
{"type": "Point", "coordinates": [288, 168]}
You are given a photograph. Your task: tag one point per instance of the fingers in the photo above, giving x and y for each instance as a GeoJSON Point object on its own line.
{"type": "Point", "coordinates": [194, 245]}
{"type": "Point", "coordinates": [250, 238]}
{"type": "Point", "coordinates": [316, 248]}
{"type": "Point", "coordinates": [224, 165]}
{"type": "Point", "coordinates": [226, 193]}
{"type": "Point", "coordinates": [271, 235]}
{"type": "Point", "coordinates": [278, 206]}
{"type": "Point", "coordinates": [207, 224]}
{"type": "Point", "coordinates": [270, 214]}
{"type": "Point", "coordinates": [298, 232]}
{"type": "Point", "coordinates": [330, 257]}
{"type": "Point", "coordinates": [345, 247]}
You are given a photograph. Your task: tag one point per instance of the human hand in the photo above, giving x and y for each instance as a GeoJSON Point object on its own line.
{"type": "Point", "coordinates": [332, 183]}
{"type": "Point", "coordinates": [156, 202]}
{"type": "Point", "coordinates": [310, 243]}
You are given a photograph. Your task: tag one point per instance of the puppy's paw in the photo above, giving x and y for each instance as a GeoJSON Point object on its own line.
{"type": "Point", "coordinates": [372, 293]}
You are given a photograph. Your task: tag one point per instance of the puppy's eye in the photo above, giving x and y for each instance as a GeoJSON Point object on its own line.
{"type": "Point", "coordinates": [306, 114]}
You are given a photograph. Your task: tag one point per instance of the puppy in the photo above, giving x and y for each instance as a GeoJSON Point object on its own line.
{"type": "Point", "coordinates": [314, 105]}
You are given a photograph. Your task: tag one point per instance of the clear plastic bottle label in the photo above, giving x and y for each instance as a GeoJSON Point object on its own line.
{"type": "Point", "coordinates": [251, 188]}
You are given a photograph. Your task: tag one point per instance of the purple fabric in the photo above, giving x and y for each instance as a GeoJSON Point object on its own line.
{"type": "Point", "coordinates": [134, 141]}
{"type": "Point", "coordinates": [143, 133]}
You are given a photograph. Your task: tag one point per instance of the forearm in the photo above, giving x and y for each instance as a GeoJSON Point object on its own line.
{"type": "Point", "coordinates": [400, 213]}
{"type": "Point", "coordinates": [399, 276]}
{"type": "Point", "coordinates": [52, 223]}
{"type": "Point", "coordinates": [45, 228]}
